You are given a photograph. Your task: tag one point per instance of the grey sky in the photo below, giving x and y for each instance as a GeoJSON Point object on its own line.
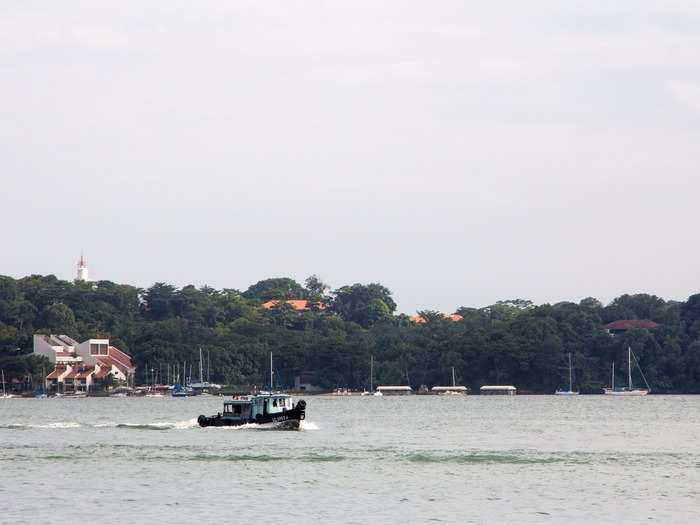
{"type": "Point", "coordinates": [457, 152]}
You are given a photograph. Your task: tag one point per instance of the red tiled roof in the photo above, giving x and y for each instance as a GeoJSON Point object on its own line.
{"type": "Point", "coordinates": [628, 324]}
{"type": "Point", "coordinates": [109, 361]}
{"type": "Point", "coordinates": [83, 373]}
{"type": "Point", "coordinates": [419, 319]}
{"type": "Point", "coordinates": [300, 305]}
{"type": "Point", "coordinates": [120, 356]}
{"type": "Point", "coordinates": [73, 373]}
{"type": "Point", "coordinates": [56, 372]}
{"type": "Point", "coordinates": [104, 370]}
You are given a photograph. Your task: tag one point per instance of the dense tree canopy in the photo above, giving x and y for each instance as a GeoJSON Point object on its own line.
{"type": "Point", "coordinates": [512, 341]}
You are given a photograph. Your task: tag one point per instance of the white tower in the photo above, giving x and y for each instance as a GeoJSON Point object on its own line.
{"type": "Point", "coordinates": [82, 270]}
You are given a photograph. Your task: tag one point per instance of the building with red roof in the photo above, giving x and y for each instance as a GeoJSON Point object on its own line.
{"type": "Point", "coordinates": [419, 319]}
{"type": "Point", "coordinates": [299, 305]}
{"type": "Point", "coordinates": [621, 326]}
{"type": "Point", "coordinates": [79, 365]}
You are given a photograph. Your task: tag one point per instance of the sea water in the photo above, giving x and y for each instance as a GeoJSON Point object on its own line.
{"type": "Point", "coordinates": [418, 459]}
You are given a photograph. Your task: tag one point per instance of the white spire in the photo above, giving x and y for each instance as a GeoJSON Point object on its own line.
{"type": "Point", "coordinates": [82, 270]}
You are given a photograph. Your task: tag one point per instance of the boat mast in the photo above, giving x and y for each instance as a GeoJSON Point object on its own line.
{"type": "Point", "coordinates": [271, 373]}
{"type": "Point", "coordinates": [570, 382]}
{"type": "Point", "coordinates": [371, 372]}
{"type": "Point", "coordinates": [629, 366]}
{"type": "Point", "coordinates": [453, 377]}
{"type": "Point", "coordinates": [201, 375]}
{"type": "Point", "coordinates": [613, 376]}
{"type": "Point", "coordinates": [3, 384]}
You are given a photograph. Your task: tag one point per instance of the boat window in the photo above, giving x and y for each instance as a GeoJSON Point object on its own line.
{"type": "Point", "coordinates": [274, 402]}
{"type": "Point", "coordinates": [237, 409]}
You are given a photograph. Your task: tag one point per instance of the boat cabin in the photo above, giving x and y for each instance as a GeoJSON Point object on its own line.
{"type": "Point", "coordinates": [247, 407]}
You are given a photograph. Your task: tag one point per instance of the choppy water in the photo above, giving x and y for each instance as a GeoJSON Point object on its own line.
{"type": "Point", "coordinates": [538, 459]}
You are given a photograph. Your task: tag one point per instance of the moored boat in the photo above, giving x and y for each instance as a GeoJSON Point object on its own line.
{"type": "Point", "coordinates": [265, 408]}
{"type": "Point", "coordinates": [629, 390]}
{"type": "Point", "coordinates": [571, 391]}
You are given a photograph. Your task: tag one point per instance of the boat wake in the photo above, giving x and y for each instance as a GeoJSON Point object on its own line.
{"type": "Point", "coordinates": [58, 424]}
{"type": "Point", "coordinates": [158, 425]}
{"type": "Point", "coordinates": [164, 425]}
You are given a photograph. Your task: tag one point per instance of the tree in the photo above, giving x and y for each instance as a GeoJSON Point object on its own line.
{"type": "Point", "coordinates": [317, 289]}
{"type": "Point", "coordinates": [275, 288]}
{"type": "Point", "coordinates": [59, 318]}
{"type": "Point", "coordinates": [364, 304]}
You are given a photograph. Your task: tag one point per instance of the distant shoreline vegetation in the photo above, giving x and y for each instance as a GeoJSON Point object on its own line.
{"type": "Point", "coordinates": [330, 335]}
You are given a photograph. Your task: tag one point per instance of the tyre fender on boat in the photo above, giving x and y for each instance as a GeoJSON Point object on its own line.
{"type": "Point", "coordinates": [203, 421]}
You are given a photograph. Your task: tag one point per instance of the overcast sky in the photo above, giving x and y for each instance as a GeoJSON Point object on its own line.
{"type": "Point", "coordinates": [457, 152]}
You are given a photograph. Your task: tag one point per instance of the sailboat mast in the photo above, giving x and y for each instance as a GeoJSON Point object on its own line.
{"type": "Point", "coordinates": [570, 381]}
{"type": "Point", "coordinates": [629, 366]}
{"type": "Point", "coordinates": [371, 373]}
{"type": "Point", "coordinates": [613, 376]}
{"type": "Point", "coordinates": [271, 388]}
{"type": "Point", "coordinates": [201, 374]}
{"type": "Point", "coordinates": [453, 377]}
{"type": "Point", "coordinates": [3, 383]}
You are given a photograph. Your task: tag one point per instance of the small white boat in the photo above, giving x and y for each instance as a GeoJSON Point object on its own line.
{"type": "Point", "coordinates": [629, 390]}
{"type": "Point", "coordinates": [569, 392]}
{"type": "Point", "coordinates": [118, 394]}
{"type": "Point", "coordinates": [341, 392]}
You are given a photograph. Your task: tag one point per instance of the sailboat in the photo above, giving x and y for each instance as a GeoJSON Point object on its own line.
{"type": "Point", "coordinates": [629, 390]}
{"type": "Point", "coordinates": [203, 387]}
{"type": "Point", "coordinates": [569, 392]}
{"type": "Point", "coordinates": [4, 395]}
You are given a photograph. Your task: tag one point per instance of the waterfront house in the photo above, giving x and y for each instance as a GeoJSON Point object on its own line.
{"type": "Point", "coordinates": [78, 365]}
{"type": "Point", "coordinates": [305, 381]}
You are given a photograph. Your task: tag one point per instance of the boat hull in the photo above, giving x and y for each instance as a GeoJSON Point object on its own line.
{"type": "Point", "coordinates": [287, 420]}
{"type": "Point", "coordinates": [565, 393]}
{"type": "Point", "coordinates": [626, 393]}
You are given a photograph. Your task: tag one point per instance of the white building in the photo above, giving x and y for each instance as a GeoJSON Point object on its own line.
{"type": "Point", "coordinates": [78, 365]}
